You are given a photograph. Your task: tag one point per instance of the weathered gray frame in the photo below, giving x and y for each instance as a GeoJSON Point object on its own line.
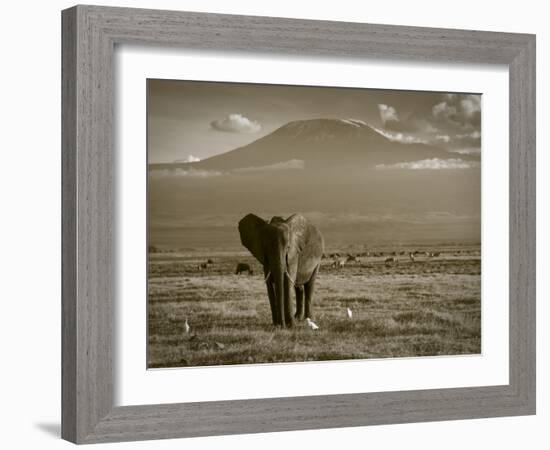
{"type": "Point", "coordinates": [89, 36]}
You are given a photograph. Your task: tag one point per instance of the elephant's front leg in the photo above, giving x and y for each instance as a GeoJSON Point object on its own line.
{"type": "Point", "coordinates": [309, 290]}
{"type": "Point", "coordinates": [299, 302]}
{"type": "Point", "coordinates": [272, 303]}
{"type": "Point", "coordinates": [289, 318]}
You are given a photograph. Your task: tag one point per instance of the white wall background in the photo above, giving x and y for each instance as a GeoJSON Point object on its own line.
{"type": "Point", "coordinates": [30, 225]}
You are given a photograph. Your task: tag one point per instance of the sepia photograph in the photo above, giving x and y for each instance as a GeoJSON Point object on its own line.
{"type": "Point", "coordinates": [291, 224]}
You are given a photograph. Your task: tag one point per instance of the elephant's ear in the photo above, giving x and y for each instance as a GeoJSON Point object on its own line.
{"type": "Point", "coordinates": [249, 229]}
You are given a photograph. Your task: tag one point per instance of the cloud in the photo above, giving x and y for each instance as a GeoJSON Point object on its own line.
{"type": "Point", "coordinates": [431, 164]}
{"type": "Point", "coordinates": [453, 121]}
{"type": "Point", "coordinates": [466, 151]}
{"type": "Point", "coordinates": [461, 110]}
{"type": "Point", "coordinates": [471, 140]}
{"type": "Point", "coordinates": [188, 159]}
{"type": "Point", "coordinates": [397, 136]}
{"type": "Point", "coordinates": [472, 135]}
{"type": "Point", "coordinates": [444, 109]}
{"type": "Point", "coordinates": [179, 172]}
{"type": "Point", "coordinates": [387, 113]}
{"type": "Point", "coordinates": [236, 123]}
{"type": "Point", "coordinates": [412, 123]}
{"type": "Point", "coordinates": [293, 164]}
{"type": "Point", "coordinates": [471, 105]}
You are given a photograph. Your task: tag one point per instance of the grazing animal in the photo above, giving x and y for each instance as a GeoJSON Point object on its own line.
{"type": "Point", "coordinates": [290, 251]}
{"type": "Point", "coordinates": [352, 258]}
{"type": "Point", "coordinates": [339, 263]}
{"type": "Point", "coordinates": [243, 267]}
{"type": "Point", "coordinates": [311, 324]}
{"type": "Point", "coordinates": [391, 260]}
{"type": "Point", "coordinates": [205, 265]}
{"type": "Point", "coordinates": [186, 326]}
{"type": "Point", "coordinates": [350, 314]}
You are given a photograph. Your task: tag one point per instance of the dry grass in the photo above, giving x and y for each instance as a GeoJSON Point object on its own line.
{"type": "Point", "coordinates": [429, 307]}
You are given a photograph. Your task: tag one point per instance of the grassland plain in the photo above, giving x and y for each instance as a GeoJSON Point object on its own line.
{"type": "Point", "coordinates": [428, 307]}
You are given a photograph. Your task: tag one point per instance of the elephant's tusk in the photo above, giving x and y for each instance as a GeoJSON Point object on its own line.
{"type": "Point", "coordinates": [268, 276]}
{"type": "Point", "coordinates": [290, 278]}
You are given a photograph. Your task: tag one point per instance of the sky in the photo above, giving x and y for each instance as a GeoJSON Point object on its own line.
{"type": "Point", "coordinates": [395, 199]}
{"type": "Point", "coordinates": [194, 120]}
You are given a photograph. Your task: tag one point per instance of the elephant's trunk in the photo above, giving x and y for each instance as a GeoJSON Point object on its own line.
{"type": "Point", "coordinates": [282, 283]}
{"type": "Point", "coordinates": [279, 282]}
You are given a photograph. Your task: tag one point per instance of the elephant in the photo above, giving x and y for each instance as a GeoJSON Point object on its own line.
{"type": "Point", "coordinates": [290, 252]}
{"type": "Point", "coordinates": [243, 267]}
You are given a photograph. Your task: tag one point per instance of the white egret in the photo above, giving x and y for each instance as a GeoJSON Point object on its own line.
{"type": "Point", "coordinates": [186, 326]}
{"type": "Point", "coordinates": [311, 324]}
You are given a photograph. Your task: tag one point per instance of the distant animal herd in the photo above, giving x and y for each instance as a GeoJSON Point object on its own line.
{"type": "Point", "coordinates": [337, 260]}
{"type": "Point", "coordinates": [340, 260]}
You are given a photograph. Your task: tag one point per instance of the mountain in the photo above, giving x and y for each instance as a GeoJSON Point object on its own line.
{"type": "Point", "coordinates": [320, 143]}
{"type": "Point", "coordinates": [337, 186]}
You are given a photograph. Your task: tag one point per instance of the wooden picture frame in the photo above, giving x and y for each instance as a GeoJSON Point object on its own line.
{"type": "Point", "coordinates": [90, 34]}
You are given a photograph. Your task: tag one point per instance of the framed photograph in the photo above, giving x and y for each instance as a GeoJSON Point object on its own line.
{"type": "Point", "coordinates": [268, 222]}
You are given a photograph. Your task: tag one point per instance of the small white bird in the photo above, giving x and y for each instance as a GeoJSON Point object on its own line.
{"type": "Point", "coordinates": [186, 326]}
{"type": "Point", "coordinates": [311, 324]}
{"type": "Point", "coordinates": [350, 314]}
